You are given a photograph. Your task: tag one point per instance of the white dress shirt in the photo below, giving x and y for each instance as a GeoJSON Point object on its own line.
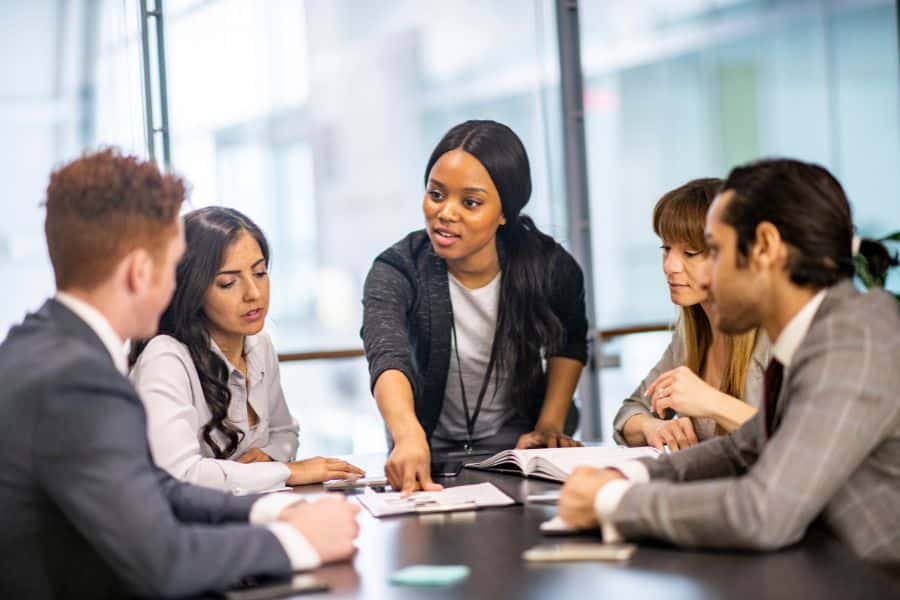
{"type": "Point", "coordinates": [265, 511]}
{"type": "Point", "coordinates": [607, 499]}
{"type": "Point", "coordinates": [169, 385]}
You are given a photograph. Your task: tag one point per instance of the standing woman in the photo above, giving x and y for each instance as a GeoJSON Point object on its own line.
{"type": "Point", "coordinates": [712, 381]}
{"type": "Point", "coordinates": [216, 414]}
{"type": "Point", "coordinates": [474, 328]}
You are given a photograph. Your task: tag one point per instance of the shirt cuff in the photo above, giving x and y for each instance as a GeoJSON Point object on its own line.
{"type": "Point", "coordinates": [266, 509]}
{"type": "Point", "coordinates": [605, 502]}
{"type": "Point", "coordinates": [254, 477]}
{"type": "Point", "coordinates": [300, 552]}
{"type": "Point", "coordinates": [634, 470]}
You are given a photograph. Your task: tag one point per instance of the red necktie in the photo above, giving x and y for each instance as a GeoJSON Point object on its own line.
{"type": "Point", "coordinates": [774, 375]}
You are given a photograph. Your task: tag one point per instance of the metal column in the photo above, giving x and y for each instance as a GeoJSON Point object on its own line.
{"type": "Point", "coordinates": [577, 196]}
{"type": "Point", "coordinates": [151, 128]}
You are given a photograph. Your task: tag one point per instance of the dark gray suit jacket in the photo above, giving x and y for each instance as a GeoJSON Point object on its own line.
{"type": "Point", "coordinates": [834, 453]}
{"type": "Point", "coordinates": [84, 511]}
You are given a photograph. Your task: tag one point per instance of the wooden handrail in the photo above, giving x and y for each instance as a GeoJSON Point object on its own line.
{"type": "Point", "coordinates": [321, 355]}
{"type": "Point", "coordinates": [601, 334]}
{"type": "Point", "coordinates": [614, 332]}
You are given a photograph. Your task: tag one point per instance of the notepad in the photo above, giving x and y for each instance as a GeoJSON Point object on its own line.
{"type": "Point", "coordinates": [556, 464]}
{"type": "Point", "coordinates": [463, 497]}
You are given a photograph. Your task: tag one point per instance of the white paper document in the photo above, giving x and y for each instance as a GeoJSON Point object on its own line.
{"type": "Point", "coordinates": [464, 497]}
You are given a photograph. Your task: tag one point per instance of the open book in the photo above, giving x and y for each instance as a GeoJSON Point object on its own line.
{"type": "Point", "coordinates": [556, 464]}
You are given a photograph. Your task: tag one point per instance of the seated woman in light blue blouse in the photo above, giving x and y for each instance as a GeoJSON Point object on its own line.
{"type": "Point", "coordinates": [216, 413]}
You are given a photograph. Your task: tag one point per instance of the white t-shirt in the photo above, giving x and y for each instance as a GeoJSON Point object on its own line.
{"type": "Point", "coordinates": [475, 318]}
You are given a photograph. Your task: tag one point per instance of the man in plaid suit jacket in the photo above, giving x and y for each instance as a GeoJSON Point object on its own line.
{"type": "Point", "coordinates": [827, 440]}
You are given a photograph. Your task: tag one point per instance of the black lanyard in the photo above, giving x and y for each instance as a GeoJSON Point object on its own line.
{"type": "Point", "coordinates": [470, 420]}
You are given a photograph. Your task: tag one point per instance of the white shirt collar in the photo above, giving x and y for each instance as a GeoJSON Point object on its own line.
{"type": "Point", "coordinates": [793, 333]}
{"type": "Point", "coordinates": [100, 325]}
{"type": "Point", "coordinates": [254, 369]}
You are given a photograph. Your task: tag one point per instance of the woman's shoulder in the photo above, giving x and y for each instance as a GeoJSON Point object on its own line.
{"type": "Point", "coordinates": [407, 250]}
{"type": "Point", "coordinates": [407, 260]}
{"type": "Point", "coordinates": [560, 264]}
{"type": "Point", "coordinates": [161, 346]}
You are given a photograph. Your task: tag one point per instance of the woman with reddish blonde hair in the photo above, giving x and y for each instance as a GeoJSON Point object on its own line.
{"type": "Point", "coordinates": [712, 381]}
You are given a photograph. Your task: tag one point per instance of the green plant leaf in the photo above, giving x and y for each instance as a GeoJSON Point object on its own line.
{"type": "Point", "coordinates": [861, 266]}
{"type": "Point", "coordinates": [894, 237]}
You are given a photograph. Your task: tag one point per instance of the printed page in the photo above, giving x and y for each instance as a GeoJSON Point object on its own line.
{"type": "Point", "coordinates": [565, 460]}
{"type": "Point", "coordinates": [558, 463]}
{"type": "Point", "coordinates": [463, 497]}
{"type": "Point", "coordinates": [506, 457]}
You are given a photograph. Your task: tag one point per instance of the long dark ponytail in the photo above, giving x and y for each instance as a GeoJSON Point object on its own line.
{"type": "Point", "coordinates": [208, 232]}
{"type": "Point", "coordinates": [527, 328]}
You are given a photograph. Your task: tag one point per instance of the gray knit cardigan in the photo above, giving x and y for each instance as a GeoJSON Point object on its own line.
{"type": "Point", "coordinates": [407, 316]}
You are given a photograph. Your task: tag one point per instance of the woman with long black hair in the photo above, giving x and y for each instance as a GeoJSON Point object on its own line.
{"type": "Point", "coordinates": [209, 380]}
{"type": "Point", "coordinates": [474, 328]}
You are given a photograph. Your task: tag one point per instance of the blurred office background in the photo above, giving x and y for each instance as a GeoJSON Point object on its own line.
{"type": "Point", "coordinates": [316, 118]}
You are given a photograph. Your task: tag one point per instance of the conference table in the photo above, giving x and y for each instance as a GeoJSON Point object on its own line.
{"type": "Point", "coordinates": [491, 541]}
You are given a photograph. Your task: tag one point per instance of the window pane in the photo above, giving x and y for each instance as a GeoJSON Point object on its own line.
{"type": "Point", "coordinates": [681, 89]}
{"type": "Point", "coordinates": [71, 82]}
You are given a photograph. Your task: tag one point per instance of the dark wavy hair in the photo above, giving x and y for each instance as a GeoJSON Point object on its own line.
{"type": "Point", "coordinates": [527, 329]}
{"type": "Point", "coordinates": [809, 208]}
{"type": "Point", "coordinates": [208, 232]}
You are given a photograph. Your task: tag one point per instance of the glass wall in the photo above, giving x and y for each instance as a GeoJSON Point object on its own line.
{"type": "Point", "coordinates": [316, 118]}
{"type": "Point", "coordinates": [70, 80]}
{"type": "Point", "coordinates": [681, 89]}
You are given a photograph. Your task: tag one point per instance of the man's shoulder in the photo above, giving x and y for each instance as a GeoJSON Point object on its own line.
{"type": "Point", "coordinates": [42, 358]}
{"type": "Point", "coordinates": [867, 323]}
{"type": "Point", "coordinates": [874, 312]}
{"type": "Point", "coordinates": [47, 349]}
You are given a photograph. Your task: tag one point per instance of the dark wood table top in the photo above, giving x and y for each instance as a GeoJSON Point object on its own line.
{"type": "Point", "coordinates": [491, 541]}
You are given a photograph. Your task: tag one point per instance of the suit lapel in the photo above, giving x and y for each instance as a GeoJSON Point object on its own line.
{"type": "Point", "coordinates": [834, 297]}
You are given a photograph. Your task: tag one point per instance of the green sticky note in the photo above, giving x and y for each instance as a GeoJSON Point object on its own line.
{"type": "Point", "coordinates": [430, 575]}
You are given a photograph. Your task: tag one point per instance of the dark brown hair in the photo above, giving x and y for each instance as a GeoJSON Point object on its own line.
{"type": "Point", "coordinates": [208, 233]}
{"type": "Point", "coordinates": [102, 206]}
{"type": "Point", "coordinates": [808, 207]}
